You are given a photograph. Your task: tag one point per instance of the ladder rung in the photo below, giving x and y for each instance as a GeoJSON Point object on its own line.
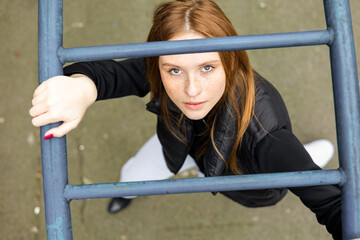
{"type": "Point", "coordinates": [147, 49]}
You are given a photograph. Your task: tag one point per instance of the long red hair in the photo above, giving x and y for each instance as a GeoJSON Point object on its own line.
{"type": "Point", "coordinates": [205, 17]}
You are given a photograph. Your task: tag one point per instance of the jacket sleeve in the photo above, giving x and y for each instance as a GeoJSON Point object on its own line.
{"type": "Point", "coordinates": [281, 151]}
{"type": "Point", "coordinates": [114, 79]}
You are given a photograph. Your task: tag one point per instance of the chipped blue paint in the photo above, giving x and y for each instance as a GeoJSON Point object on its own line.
{"type": "Point", "coordinates": [55, 231]}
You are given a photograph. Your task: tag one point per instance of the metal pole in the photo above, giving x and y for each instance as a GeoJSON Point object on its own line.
{"type": "Point", "coordinates": [208, 184]}
{"type": "Point", "coordinates": [346, 99]}
{"type": "Point", "coordinates": [275, 40]}
{"type": "Point", "coordinates": [53, 152]}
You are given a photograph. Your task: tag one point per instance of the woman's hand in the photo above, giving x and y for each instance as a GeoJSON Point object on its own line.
{"type": "Point", "coordinates": [64, 99]}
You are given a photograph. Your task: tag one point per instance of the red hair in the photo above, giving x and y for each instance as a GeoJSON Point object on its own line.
{"type": "Point", "coordinates": [205, 17]}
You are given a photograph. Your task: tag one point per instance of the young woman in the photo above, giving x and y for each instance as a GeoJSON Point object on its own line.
{"type": "Point", "coordinates": [213, 110]}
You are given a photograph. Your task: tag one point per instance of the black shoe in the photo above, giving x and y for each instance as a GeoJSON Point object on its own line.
{"type": "Point", "coordinates": [118, 204]}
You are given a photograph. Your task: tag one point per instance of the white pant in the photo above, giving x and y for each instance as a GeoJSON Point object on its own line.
{"type": "Point", "coordinates": [149, 164]}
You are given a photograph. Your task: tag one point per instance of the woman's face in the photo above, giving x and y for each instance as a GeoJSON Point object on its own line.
{"type": "Point", "coordinates": [194, 82]}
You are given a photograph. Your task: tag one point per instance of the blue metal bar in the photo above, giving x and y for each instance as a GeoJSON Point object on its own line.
{"type": "Point", "coordinates": [53, 152]}
{"type": "Point", "coordinates": [347, 107]}
{"type": "Point", "coordinates": [263, 41]}
{"type": "Point", "coordinates": [209, 184]}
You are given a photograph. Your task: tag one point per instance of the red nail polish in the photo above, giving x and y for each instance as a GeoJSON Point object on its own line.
{"type": "Point", "coordinates": [48, 136]}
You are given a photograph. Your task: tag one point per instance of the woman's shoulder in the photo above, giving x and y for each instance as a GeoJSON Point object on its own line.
{"type": "Point", "coordinates": [268, 101]}
{"type": "Point", "coordinates": [270, 112]}
{"type": "Point", "coordinates": [263, 88]}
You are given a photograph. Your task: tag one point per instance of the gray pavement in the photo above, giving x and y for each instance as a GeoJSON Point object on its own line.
{"type": "Point", "coordinates": [112, 131]}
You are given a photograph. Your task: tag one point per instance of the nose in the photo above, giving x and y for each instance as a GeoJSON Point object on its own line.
{"type": "Point", "coordinates": [193, 86]}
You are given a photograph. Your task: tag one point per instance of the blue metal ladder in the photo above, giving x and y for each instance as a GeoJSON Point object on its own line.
{"type": "Point", "coordinates": [338, 36]}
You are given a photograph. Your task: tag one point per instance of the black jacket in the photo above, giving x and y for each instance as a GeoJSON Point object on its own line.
{"type": "Point", "coordinates": [271, 116]}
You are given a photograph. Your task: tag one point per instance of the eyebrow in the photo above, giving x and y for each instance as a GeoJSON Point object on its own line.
{"type": "Point", "coordinates": [166, 64]}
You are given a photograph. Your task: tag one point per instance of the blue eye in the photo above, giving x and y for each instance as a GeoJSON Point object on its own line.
{"type": "Point", "coordinates": [175, 71]}
{"type": "Point", "coordinates": [207, 68]}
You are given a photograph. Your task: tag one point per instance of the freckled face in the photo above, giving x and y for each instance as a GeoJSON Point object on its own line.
{"type": "Point", "coordinates": [194, 82]}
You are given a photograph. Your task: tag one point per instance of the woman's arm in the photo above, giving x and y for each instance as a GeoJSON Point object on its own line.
{"type": "Point", "coordinates": [114, 79]}
{"type": "Point", "coordinates": [66, 98]}
{"type": "Point", "coordinates": [281, 151]}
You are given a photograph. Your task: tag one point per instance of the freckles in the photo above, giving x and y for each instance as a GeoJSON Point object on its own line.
{"type": "Point", "coordinates": [170, 84]}
{"type": "Point", "coordinates": [215, 84]}
{"type": "Point", "coordinates": [172, 89]}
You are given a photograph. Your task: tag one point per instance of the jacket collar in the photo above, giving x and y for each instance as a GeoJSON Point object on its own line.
{"type": "Point", "coordinates": [224, 138]}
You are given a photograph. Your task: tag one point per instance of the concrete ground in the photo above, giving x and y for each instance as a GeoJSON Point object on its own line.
{"type": "Point", "coordinates": [112, 131]}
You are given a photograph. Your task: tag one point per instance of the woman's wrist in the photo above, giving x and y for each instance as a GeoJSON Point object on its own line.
{"type": "Point", "coordinates": [88, 88]}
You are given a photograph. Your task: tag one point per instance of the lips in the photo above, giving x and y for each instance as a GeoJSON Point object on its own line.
{"type": "Point", "coordinates": [194, 105]}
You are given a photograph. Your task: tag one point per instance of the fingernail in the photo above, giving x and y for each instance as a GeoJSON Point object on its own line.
{"type": "Point", "coordinates": [48, 136]}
